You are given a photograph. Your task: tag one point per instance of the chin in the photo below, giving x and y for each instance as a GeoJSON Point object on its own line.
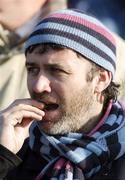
{"type": "Point", "coordinates": [50, 129]}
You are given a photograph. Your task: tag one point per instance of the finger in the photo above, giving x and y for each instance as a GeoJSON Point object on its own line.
{"type": "Point", "coordinates": [19, 117]}
{"type": "Point", "coordinates": [20, 102]}
{"type": "Point", "coordinates": [28, 108]}
{"type": "Point", "coordinates": [31, 102]}
{"type": "Point", "coordinates": [23, 105]}
{"type": "Point", "coordinates": [31, 115]}
{"type": "Point", "coordinates": [25, 123]}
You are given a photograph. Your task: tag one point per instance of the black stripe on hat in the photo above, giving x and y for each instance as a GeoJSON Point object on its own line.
{"type": "Point", "coordinates": [76, 39]}
{"type": "Point", "coordinates": [83, 28]}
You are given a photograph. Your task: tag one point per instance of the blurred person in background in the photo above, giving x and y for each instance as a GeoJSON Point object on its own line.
{"type": "Point", "coordinates": [52, 5]}
{"type": "Point", "coordinates": [17, 19]}
{"type": "Point", "coordinates": [14, 16]}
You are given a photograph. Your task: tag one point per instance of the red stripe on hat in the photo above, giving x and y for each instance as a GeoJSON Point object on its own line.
{"type": "Point", "coordinates": [86, 23]}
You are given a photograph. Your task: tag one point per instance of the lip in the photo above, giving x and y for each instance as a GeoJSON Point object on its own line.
{"type": "Point", "coordinates": [47, 101]}
{"type": "Point", "coordinates": [51, 116]}
{"type": "Point", "coordinates": [50, 107]}
{"type": "Point", "coordinates": [46, 104]}
{"type": "Point", "coordinates": [46, 121]}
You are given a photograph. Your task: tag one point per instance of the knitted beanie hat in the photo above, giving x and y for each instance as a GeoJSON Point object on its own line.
{"type": "Point", "coordinates": [80, 32]}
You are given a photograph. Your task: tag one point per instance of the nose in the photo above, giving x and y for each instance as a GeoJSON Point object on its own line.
{"type": "Point", "coordinates": [41, 84]}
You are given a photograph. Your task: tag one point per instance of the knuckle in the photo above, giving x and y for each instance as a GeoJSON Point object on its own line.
{"type": "Point", "coordinates": [21, 105]}
{"type": "Point", "coordinates": [21, 113]}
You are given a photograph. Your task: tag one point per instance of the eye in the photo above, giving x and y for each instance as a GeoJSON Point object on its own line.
{"type": "Point", "coordinates": [33, 70]}
{"type": "Point", "coordinates": [55, 70]}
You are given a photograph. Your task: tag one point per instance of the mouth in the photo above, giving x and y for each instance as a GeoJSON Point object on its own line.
{"type": "Point", "coordinates": [51, 114]}
{"type": "Point", "coordinates": [50, 107]}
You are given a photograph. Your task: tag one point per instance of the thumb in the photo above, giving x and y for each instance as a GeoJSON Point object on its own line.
{"type": "Point", "coordinates": [23, 128]}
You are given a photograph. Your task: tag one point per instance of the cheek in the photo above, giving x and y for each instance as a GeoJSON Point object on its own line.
{"type": "Point", "coordinates": [60, 89]}
{"type": "Point", "coordinates": [65, 94]}
{"type": "Point", "coordinates": [30, 84]}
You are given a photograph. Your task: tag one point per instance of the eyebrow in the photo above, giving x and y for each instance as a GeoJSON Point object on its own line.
{"type": "Point", "coordinates": [48, 64]}
{"type": "Point", "coordinates": [56, 65]}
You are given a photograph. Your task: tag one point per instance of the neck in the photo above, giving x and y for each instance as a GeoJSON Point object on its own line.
{"type": "Point", "coordinates": [92, 118]}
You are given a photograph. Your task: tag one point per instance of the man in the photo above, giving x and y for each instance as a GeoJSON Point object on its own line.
{"type": "Point", "coordinates": [78, 125]}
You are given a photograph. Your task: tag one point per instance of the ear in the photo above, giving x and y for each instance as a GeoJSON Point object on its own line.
{"type": "Point", "coordinates": [103, 79]}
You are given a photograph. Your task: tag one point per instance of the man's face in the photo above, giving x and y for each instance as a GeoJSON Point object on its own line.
{"type": "Point", "coordinates": [59, 80]}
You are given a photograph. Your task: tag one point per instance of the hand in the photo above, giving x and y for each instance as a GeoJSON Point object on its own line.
{"type": "Point", "coordinates": [16, 120]}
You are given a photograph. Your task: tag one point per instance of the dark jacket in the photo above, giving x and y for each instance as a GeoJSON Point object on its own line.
{"type": "Point", "coordinates": [8, 161]}
{"type": "Point", "coordinates": [32, 164]}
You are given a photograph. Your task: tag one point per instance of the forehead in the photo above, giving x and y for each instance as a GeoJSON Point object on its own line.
{"type": "Point", "coordinates": [59, 56]}
{"type": "Point", "coordinates": [50, 55]}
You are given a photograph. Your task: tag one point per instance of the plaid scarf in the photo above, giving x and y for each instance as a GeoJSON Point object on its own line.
{"type": "Point", "coordinates": [78, 156]}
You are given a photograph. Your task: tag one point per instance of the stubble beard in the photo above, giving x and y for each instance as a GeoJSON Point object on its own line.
{"type": "Point", "coordinates": [76, 115]}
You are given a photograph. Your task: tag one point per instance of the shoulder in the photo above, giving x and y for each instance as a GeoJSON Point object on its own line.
{"type": "Point", "coordinates": [114, 171]}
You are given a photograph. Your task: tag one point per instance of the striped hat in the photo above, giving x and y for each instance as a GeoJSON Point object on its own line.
{"type": "Point", "coordinates": [80, 32]}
